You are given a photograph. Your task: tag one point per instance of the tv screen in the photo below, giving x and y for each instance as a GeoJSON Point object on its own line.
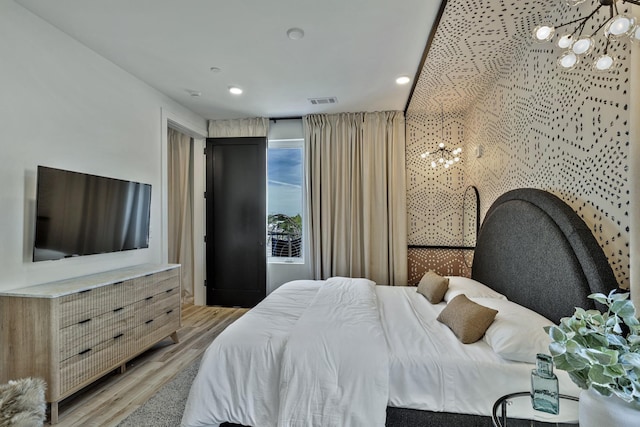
{"type": "Point", "coordinates": [80, 214]}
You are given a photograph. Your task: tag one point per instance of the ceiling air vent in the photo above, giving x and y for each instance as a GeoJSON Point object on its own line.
{"type": "Point", "coordinates": [323, 101]}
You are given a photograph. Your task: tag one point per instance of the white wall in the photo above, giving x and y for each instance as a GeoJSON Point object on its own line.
{"type": "Point", "coordinates": [64, 106]}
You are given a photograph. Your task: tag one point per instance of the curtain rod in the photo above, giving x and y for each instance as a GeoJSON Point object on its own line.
{"type": "Point", "coordinates": [275, 119]}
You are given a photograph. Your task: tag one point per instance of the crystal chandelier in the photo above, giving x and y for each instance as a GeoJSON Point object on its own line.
{"type": "Point", "coordinates": [442, 156]}
{"type": "Point", "coordinates": [577, 45]}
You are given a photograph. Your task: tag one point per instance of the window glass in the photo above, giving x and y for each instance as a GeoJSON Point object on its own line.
{"type": "Point", "coordinates": [285, 199]}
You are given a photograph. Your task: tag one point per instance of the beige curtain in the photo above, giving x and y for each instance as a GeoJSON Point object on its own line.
{"type": "Point", "coordinates": [356, 193]}
{"type": "Point", "coordinates": [180, 217]}
{"type": "Point", "coordinates": [258, 126]}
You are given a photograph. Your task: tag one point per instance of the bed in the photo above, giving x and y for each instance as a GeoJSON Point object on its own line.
{"type": "Point", "coordinates": [347, 352]}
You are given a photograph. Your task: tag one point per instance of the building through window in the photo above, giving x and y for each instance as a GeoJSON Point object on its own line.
{"type": "Point", "coordinates": [285, 176]}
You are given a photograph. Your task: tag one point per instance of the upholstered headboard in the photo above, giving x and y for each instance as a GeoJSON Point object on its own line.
{"type": "Point", "coordinates": [533, 248]}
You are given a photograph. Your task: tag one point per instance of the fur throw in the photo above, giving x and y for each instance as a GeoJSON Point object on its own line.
{"type": "Point", "coordinates": [22, 403]}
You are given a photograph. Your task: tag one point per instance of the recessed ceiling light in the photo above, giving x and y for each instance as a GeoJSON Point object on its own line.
{"type": "Point", "coordinates": [215, 69]}
{"type": "Point", "coordinates": [403, 80]}
{"type": "Point", "coordinates": [194, 93]}
{"type": "Point", "coordinates": [235, 90]}
{"type": "Point", "coordinates": [295, 33]}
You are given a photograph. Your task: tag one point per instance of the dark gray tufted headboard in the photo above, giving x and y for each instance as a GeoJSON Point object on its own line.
{"type": "Point", "coordinates": [533, 248]}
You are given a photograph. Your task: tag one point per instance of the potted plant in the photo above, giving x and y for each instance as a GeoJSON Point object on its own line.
{"type": "Point", "coordinates": [601, 353]}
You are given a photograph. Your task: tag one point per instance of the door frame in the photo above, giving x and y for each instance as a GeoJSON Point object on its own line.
{"type": "Point", "coordinates": [199, 132]}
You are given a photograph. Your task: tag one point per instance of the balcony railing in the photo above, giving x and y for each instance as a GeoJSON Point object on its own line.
{"type": "Point", "coordinates": [286, 245]}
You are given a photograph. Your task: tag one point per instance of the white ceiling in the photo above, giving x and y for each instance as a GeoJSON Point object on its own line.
{"type": "Point", "coordinates": [352, 49]}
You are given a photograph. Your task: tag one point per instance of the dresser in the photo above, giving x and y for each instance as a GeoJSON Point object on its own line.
{"type": "Point", "coordinates": [72, 332]}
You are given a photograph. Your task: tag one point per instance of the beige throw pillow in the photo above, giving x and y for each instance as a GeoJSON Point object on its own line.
{"type": "Point", "coordinates": [433, 287]}
{"type": "Point", "coordinates": [467, 319]}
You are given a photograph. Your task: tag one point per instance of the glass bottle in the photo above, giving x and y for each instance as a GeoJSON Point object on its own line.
{"type": "Point", "coordinates": [544, 386]}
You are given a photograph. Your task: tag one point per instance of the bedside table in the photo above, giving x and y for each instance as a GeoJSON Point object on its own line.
{"type": "Point", "coordinates": [568, 415]}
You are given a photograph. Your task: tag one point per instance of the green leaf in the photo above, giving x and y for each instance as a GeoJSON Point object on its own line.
{"type": "Point", "coordinates": [616, 340]}
{"type": "Point", "coordinates": [580, 378]}
{"type": "Point", "coordinates": [619, 297]}
{"type": "Point", "coordinates": [561, 362]}
{"type": "Point", "coordinates": [632, 359]}
{"type": "Point", "coordinates": [576, 361]}
{"type": "Point", "coordinates": [633, 339]}
{"type": "Point", "coordinates": [597, 375]}
{"type": "Point", "coordinates": [623, 308]}
{"type": "Point", "coordinates": [596, 340]}
{"type": "Point", "coordinates": [557, 334]}
{"type": "Point", "coordinates": [556, 349]}
{"type": "Point", "coordinates": [602, 390]}
{"type": "Point", "coordinates": [631, 321]}
{"type": "Point", "coordinates": [601, 298]}
{"type": "Point", "coordinates": [615, 371]}
{"type": "Point", "coordinates": [604, 358]}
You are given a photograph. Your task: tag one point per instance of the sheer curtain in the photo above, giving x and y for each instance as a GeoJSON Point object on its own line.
{"type": "Point", "coordinates": [180, 217]}
{"type": "Point", "coordinates": [356, 191]}
{"type": "Point", "coordinates": [258, 126]}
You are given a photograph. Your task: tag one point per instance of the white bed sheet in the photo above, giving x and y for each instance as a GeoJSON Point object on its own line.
{"type": "Point", "coordinates": [431, 370]}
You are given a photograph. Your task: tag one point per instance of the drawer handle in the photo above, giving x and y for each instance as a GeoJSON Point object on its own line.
{"type": "Point", "coordinates": [150, 274]}
{"type": "Point", "coordinates": [84, 351]}
{"type": "Point", "coordinates": [84, 321]}
{"type": "Point", "coordinates": [170, 311]}
{"type": "Point", "coordinates": [148, 298]}
{"type": "Point", "coordinates": [170, 290]}
{"type": "Point", "coordinates": [118, 336]}
{"type": "Point", "coordinates": [118, 283]}
{"type": "Point", "coordinates": [148, 321]}
{"type": "Point", "coordinates": [115, 310]}
{"type": "Point", "coordinates": [85, 291]}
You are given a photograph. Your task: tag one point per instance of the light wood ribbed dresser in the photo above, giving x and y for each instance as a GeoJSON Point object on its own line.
{"type": "Point", "coordinates": [74, 331]}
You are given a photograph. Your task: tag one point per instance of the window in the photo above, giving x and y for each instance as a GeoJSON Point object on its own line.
{"type": "Point", "coordinates": [285, 177]}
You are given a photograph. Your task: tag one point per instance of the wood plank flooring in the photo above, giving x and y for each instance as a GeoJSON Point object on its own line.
{"type": "Point", "coordinates": [111, 399]}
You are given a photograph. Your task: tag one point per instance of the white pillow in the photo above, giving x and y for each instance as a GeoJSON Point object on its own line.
{"type": "Point", "coordinates": [471, 288]}
{"type": "Point", "coordinates": [517, 333]}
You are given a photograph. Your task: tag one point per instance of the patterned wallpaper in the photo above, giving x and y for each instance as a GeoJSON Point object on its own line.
{"type": "Point", "coordinates": [565, 132]}
{"type": "Point", "coordinates": [434, 196]}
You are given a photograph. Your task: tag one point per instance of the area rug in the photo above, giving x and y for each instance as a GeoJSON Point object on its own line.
{"type": "Point", "coordinates": [165, 408]}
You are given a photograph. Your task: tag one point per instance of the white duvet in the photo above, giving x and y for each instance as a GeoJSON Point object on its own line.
{"type": "Point", "coordinates": [312, 354]}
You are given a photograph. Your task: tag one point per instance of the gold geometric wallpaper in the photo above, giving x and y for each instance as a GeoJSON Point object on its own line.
{"type": "Point", "coordinates": [566, 132]}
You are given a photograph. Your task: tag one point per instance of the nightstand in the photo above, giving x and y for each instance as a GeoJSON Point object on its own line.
{"type": "Point", "coordinates": [568, 411]}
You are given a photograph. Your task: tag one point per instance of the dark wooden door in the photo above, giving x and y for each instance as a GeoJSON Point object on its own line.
{"type": "Point", "coordinates": [236, 221]}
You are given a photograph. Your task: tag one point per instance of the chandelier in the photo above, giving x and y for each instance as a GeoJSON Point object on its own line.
{"type": "Point", "coordinates": [577, 45]}
{"type": "Point", "coordinates": [442, 156]}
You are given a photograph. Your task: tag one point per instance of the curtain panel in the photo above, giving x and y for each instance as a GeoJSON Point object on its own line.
{"type": "Point", "coordinates": [258, 126]}
{"type": "Point", "coordinates": [180, 207]}
{"type": "Point", "coordinates": [356, 193]}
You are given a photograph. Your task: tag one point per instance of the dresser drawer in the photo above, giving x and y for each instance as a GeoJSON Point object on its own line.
{"type": "Point", "coordinates": [143, 287]}
{"type": "Point", "coordinates": [88, 304]}
{"type": "Point", "coordinates": [161, 326]}
{"type": "Point", "coordinates": [91, 332]}
{"type": "Point", "coordinates": [91, 362]}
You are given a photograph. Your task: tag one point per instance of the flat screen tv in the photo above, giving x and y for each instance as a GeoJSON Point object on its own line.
{"type": "Point", "coordinates": [79, 214]}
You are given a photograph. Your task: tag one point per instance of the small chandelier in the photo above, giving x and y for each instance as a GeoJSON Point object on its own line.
{"type": "Point", "coordinates": [578, 45]}
{"type": "Point", "coordinates": [442, 156]}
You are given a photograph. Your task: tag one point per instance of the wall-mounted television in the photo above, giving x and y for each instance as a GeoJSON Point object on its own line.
{"type": "Point", "coordinates": [80, 214]}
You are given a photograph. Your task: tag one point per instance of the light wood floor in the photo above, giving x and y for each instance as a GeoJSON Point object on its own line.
{"type": "Point", "coordinates": [111, 399]}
